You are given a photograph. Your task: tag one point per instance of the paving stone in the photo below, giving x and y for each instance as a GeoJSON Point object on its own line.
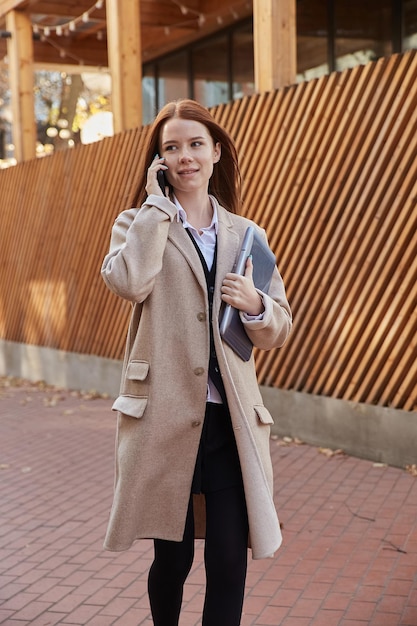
{"type": "Point", "coordinates": [350, 530]}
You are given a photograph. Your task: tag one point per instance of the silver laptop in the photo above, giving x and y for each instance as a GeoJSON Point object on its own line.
{"type": "Point", "coordinates": [263, 259]}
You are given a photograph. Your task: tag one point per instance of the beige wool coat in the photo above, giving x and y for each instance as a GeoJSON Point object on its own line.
{"type": "Point", "coordinates": [152, 263]}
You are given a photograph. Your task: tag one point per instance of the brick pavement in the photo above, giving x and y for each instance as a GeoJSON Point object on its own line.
{"type": "Point", "coordinates": [349, 556]}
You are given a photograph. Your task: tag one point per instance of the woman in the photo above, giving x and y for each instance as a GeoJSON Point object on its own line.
{"type": "Point", "coordinates": [192, 451]}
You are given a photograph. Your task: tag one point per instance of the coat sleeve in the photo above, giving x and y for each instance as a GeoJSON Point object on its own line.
{"type": "Point", "coordinates": [137, 245]}
{"type": "Point", "coordinates": [273, 329]}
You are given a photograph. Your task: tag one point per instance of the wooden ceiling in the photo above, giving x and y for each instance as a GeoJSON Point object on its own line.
{"type": "Point", "coordinates": [74, 31]}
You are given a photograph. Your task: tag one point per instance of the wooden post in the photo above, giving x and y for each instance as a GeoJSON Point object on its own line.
{"type": "Point", "coordinates": [125, 61]}
{"type": "Point", "coordinates": [20, 53]}
{"type": "Point", "coordinates": [275, 43]}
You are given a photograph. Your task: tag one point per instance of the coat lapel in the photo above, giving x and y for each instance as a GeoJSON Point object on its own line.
{"type": "Point", "coordinates": [227, 250]}
{"type": "Point", "coordinates": [181, 240]}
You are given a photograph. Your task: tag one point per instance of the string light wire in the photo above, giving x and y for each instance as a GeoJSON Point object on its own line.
{"type": "Point", "coordinates": [70, 25]}
{"type": "Point", "coordinates": [202, 18]}
{"type": "Point", "coordinates": [46, 30]}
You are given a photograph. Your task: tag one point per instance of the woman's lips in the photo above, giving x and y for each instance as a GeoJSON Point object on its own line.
{"type": "Point", "coordinates": [186, 172]}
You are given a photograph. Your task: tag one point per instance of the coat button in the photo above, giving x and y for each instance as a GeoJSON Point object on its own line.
{"type": "Point", "coordinates": [195, 424]}
{"type": "Point", "coordinates": [201, 316]}
{"type": "Point", "coordinates": [199, 371]}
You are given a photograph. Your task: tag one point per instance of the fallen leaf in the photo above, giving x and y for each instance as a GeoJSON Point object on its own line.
{"type": "Point", "coordinates": [90, 395]}
{"type": "Point", "coordinates": [411, 469]}
{"type": "Point", "coordinates": [329, 452]}
{"type": "Point", "coordinates": [41, 384]}
{"type": "Point", "coordinates": [53, 401]}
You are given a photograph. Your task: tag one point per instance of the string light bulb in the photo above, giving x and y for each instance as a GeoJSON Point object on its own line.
{"type": "Point", "coordinates": [70, 26]}
{"type": "Point", "coordinates": [203, 18]}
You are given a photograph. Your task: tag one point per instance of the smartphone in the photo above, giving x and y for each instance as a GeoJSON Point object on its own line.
{"type": "Point", "coordinates": [162, 180]}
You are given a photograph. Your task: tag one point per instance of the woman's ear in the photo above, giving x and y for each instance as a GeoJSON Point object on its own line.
{"type": "Point", "coordinates": [217, 152]}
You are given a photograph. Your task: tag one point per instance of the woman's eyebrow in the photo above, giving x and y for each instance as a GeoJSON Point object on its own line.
{"type": "Point", "coordinates": [169, 141]}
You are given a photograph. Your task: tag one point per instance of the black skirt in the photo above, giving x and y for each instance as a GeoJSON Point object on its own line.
{"type": "Point", "coordinates": [217, 466]}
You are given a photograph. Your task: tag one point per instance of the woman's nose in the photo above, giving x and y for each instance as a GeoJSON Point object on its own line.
{"type": "Point", "coordinates": [185, 155]}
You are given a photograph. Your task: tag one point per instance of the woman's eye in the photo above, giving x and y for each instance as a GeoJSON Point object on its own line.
{"type": "Point", "coordinates": [196, 144]}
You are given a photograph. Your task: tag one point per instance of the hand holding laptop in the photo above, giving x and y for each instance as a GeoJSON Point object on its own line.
{"type": "Point", "coordinates": [263, 260]}
{"type": "Point", "coordinates": [239, 291]}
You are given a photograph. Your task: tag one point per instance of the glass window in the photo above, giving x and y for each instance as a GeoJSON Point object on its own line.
{"type": "Point", "coordinates": [242, 61]}
{"type": "Point", "coordinates": [363, 32]}
{"type": "Point", "coordinates": [172, 78]}
{"type": "Point", "coordinates": [331, 35]}
{"type": "Point", "coordinates": [210, 69]}
{"type": "Point", "coordinates": [149, 107]}
{"type": "Point", "coordinates": [312, 40]}
{"type": "Point", "coordinates": [410, 25]}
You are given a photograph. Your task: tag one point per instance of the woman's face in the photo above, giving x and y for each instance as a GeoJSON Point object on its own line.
{"type": "Point", "coordinates": [190, 154]}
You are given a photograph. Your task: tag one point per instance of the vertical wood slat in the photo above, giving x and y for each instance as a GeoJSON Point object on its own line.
{"type": "Point", "coordinates": [124, 176]}
{"type": "Point", "coordinates": [125, 179]}
{"type": "Point", "coordinates": [384, 256]}
{"type": "Point", "coordinates": [308, 216]}
{"type": "Point", "coordinates": [329, 171]}
{"type": "Point", "coordinates": [311, 351]}
{"type": "Point", "coordinates": [361, 226]}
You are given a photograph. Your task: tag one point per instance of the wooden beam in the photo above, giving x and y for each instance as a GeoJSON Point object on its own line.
{"type": "Point", "coordinates": [11, 5]}
{"type": "Point", "coordinates": [125, 62]}
{"type": "Point", "coordinates": [65, 8]}
{"type": "Point", "coordinates": [20, 52]}
{"type": "Point", "coordinates": [275, 40]}
{"type": "Point", "coordinates": [68, 68]}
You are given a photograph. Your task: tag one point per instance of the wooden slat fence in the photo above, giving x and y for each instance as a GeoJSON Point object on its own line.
{"type": "Point", "coordinates": [329, 170]}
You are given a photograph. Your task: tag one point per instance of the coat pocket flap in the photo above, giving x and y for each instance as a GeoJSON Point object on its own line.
{"type": "Point", "coordinates": [130, 405]}
{"type": "Point", "coordinates": [137, 370]}
{"type": "Point", "coordinates": [264, 415]}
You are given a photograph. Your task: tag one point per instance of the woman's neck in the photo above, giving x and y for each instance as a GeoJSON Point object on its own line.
{"type": "Point", "coordinates": [198, 208]}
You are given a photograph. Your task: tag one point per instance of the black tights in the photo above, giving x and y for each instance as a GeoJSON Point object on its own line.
{"type": "Point", "coordinates": [225, 558]}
